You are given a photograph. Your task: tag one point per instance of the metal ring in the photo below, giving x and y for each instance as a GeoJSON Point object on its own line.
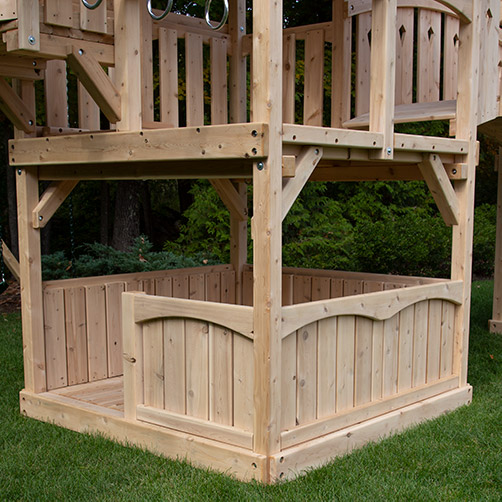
{"type": "Point", "coordinates": [92, 5]}
{"type": "Point", "coordinates": [223, 19]}
{"type": "Point", "coordinates": [164, 14]}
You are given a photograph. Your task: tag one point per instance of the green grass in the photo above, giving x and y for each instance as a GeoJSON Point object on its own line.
{"type": "Point", "coordinates": [456, 457]}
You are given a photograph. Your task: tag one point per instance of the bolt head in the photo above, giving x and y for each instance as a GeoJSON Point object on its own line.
{"type": "Point", "coordinates": [260, 166]}
{"type": "Point", "coordinates": [81, 52]}
{"type": "Point", "coordinates": [19, 172]}
{"type": "Point", "coordinates": [30, 122]}
{"type": "Point", "coordinates": [389, 151]}
{"type": "Point", "coordinates": [242, 29]}
{"type": "Point", "coordinates": [40, 218]}
{"type": "Point", "coordinates": [32, 40]}
{"type": "Point", "coordinates": [454, 171]}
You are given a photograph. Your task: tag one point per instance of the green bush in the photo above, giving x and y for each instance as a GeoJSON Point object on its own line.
{"type": "Point", "coordinates": [97, 259]}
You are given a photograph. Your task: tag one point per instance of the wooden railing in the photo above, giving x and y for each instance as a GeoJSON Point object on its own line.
{"type": "Point", "coordinates": [82, 319]}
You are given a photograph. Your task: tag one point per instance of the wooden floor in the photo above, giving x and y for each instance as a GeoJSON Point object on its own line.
{"type": "Point", "coordinates": [107, 393]}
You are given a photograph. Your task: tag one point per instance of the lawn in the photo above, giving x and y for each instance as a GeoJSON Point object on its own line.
{"type": "Point", "coordinates": [455, 457]}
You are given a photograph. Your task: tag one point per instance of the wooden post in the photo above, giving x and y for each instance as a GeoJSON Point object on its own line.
{"type": "Point", "coordinates": [341, 69]}
{"type": "Point", "coordinates": [495, 323]}
{"type": "Point", "coordinates": [267, 234]}
{"type": "Point", "coordinates": [30, 261]}
{"type": "Point", "coordinates": [127, 74]}
{"type": "Point", "coordinates": [28, 18]}
{"type": "Point", "coordinates": [383, 73]}
{"type": "Point", "coordinates": [467, 109]}
{"type": "Point", "coordinates": [238, 114]}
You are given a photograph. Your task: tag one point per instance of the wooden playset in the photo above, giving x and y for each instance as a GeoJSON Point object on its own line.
{"type": "Point", "coordinates": [255, 370]}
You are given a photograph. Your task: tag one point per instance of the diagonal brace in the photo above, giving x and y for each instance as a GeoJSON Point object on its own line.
{"type": "Point", "coordinates": [97, 83]}
{"type": "Point", "coordinates": [51, 199]}
{"type": "Point", "coordinates": [15, 109]}
{"type": "Point", "coordinates": [306, 163]}
{"type": "Point", "coordinates": [235, 203]}
{"type": "Point", "coordinates": [10, 261]}
{"type": "Point", "coordinates": [439, 184]}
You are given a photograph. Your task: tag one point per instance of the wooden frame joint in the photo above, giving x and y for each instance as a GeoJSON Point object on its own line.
{"type": "Point", "coordinates": [50, 201]}
{"type": "Point", "coordinates": [234, 202]}
{"type": "Point", "coordinates": [15, 109]}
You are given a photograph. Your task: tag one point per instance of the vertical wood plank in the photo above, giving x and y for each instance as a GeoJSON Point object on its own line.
{"type": "Point", "coordinates": [76, 335]}
{"type": "Point", "coordinates": [314, 78]}
{"type": "Point", "coordinates": [363, 361]}
{"type": "Point", "coordinates": [213, 287]}
{"type": "Point", "coordinates": [197, 369]}
{"type": "Point", "coordinates": [220, 375]}
{"type": "Point", "coordinates": [287, 289]}
{"type": "Point", "coordinates": [88, 110]}
{"type": "Point", "coordinates": [434, 340]}
{"type": "Point", "coordinates": [372, 286]}
{"type": "Point", "coordinates": [420, 343]}
{"type": "Point", "coordinates": [148, 286]}
{"type": "Point", "coordinates": [447, 330]}
{"type": "Point", "coordinates": [247, 288]}
{"type": "Point", "coordinates": [429, 55]}
{"type": "Point", "coordinates": [341, 72]}
{"type": "Point", "coordinates": [197, 287]}
{"type": "Point", "coordinates": [55, 338]}
{"type": "Point", "coordinates": [114, 327]}
{"type": "Point", "coordinates": [336, 288]}
{"type": "Point", "coordinates": [306, 409]}
{"type": "Point", "coordinates": [404, 56]}
{"type": "Point", "coordinates": [363, 63]}
{"type": "Point", "coordinates": [302, 289]}
{"type": "Point", "coordinates": [147, 108]}
{"type": "Point", "coordinates": [289, 382]}
{"type": "Point", "coordinates": [174, 365]}
{"type": "Point", "coordinates": [168, 76]}
{"type": "Point", "coordinates": [93, 19]}
{"type": "Point", "coordinates": [390, 356]}
{"type": "Point", "coordinates": [153, 362]}
{"type": "Point", "coordinates": [95, 297]}
{"type": "Point", "coordinates": [378, 358]}
{"type": "Point", "coordinates": [164, 286]}
{"type": "Point", "coordinates": [56, 94]}
{"type": "Point", "coordinates": [180, 287]}
{"type": "Point", "coordinates": [59, 13]}
{"type": "Point", "coordinates": [326, 368]}
{"type": "Point", "coordinates": [450, 57]}
{"type": "Point", "coordinates": [345, 363]}
{"type": "Point", "coordinates": [406, 326]}
{"type": "Point", "coordinates": [320, 288]}
{"type": "Point", "coordinates": [352, 287]}
{"type": "Point", "coordinates": [219, 86]}
{"type": "Point", "coordinates": [289, 79]}
{"type": "Point", "coordinates": [243, 383]}
{"type": "Point", "coordinates": [228, 287]}
{"type": "Point", "coordinates": [28, 19]}
{"type": "Point", "coordinates": [194, 80]}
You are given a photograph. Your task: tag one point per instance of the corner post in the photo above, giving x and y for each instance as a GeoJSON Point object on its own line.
{"type": "Point", "coordinates": [267, 231]}
{"type": "Point", "coordinates": [238, 114]}
{"type": "Point", "coordinates": [30, 261]}
{"type": "Point", "coordinates": [495, 323]}
{"type": "Point", "coordinates": [383, 74]}
{"type": "Point", "coordinates": [127, 74]}
{"type": "Point", "coordinates": [467, 111]}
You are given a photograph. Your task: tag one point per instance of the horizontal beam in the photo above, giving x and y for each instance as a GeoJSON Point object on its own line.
{"type": "Point", "coordinates": [51, 200]}
{"type": "Point", "coordinates": [97, 83]}
{"type": "Point", "coordinates": [22, 67]}
{"type": "Point", "coordinates": [431, 144]}
{"type": "Point", "coordinates": [15, 109]}
{"type": "Point", "coordinates": [222, 142]}
{"type": "Point", "coordinates": [356, 7]}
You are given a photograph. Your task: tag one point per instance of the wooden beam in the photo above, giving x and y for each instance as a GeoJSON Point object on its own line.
{"type": "Point", "coordinates": [439, 184]}
{"type": "Point", "coordinates": [11, 262]}
{"type": "Point", "coordinates": [15, 109]}
{"type": "Point", "coordinates": [383, 74]}
{"type": "Point", "coordinates": [28, 18]}
{"type": "Point", "coordinates": [30, 262]}
{"type": "Point", "coordinates": [267, 229]}
{"type": "Point", "coordinates": [496, 322]}
{"type": "Point", "coordinates": [233, 141]}
{"type": "Point", "coordinates": [463, 8]}
{"type": "Point", "coordinates": [56, 94]}
{"type": "Point", "coordinates": [97, 83]}
{"type": "Point", "coordinates": [22, 68]}
{"type": "Point", "coordinates": [305, 165]}
{"type": "Point", "coordinates": [231, 198]}
{"type": "Point", "coordinates": [50, 201]}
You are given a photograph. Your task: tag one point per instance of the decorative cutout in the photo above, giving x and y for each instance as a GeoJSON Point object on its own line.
{"type": "Point", "coordinates": [402, 32]}
{"type": "Point", "coordinates": [430, 33]}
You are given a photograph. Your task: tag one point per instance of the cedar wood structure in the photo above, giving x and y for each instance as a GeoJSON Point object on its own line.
{"type": "Point", "coordinates": [255, 370]}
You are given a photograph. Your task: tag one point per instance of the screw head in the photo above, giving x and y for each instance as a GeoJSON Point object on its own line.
{"type": "Point", "coordinates": [242, 29]}
{"type": "Point", "coordinates": [81, 52]}
{"type": "Point", "coordinates": [317, 151]}
{"type": "Point", "coordinates": [389, 151]}
{"type": "Point", "coordinates": [34, 63]}
{"type": "Point", "coordinates": [454, 171]}
{"type": "Point", "coordinates": [40, 218]}
{"type": "Point", "coordinates": [260, 166]}
{"type": "Point", "coordinates": [30, 122]}
{"type": "Point", "coordinates": [19, 172]}
{"type": "Point", "coordinates": [32, 40]}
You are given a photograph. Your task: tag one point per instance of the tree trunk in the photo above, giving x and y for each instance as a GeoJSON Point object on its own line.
{"type": "Point", "coordinates": [127, 211]}
{"type": "Point", "coordinates": [105, 214]}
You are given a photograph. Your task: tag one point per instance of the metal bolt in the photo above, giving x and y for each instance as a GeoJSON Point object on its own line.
{"type": "Point", "coordinates": [389, 151]}
{"type": "Point", "coordinates": [317, 151]}
{"type": "Point", "coordinates": [242, 29]}
{"type": "Point", "coordinates": [19, 172]}
{"type": "Point", "coordinates": [454, 171]}
{"type": "Point", "coordinates": [30, 122]}
{"type": "Point", "coordinates": [40, 218]}
{"type": "Point", "coordinates": [32, 40]}
{"type": "Point", "coordinates": [254, 134]}
{"type": "Point", "coordinates": [351, 7]}
{"type": "Point", "coordinates": [81, 52]}
{"type": "Point", "coordinates": [260, 166]}
{"type": "Point", "coordinates": [34, 63]}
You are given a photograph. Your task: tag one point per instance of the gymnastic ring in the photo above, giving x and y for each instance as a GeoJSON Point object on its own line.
{"type": "Point", "coordinates": [224, 18]}
{"type": "Point", "coordinates": [161, 16]}
{"type": "Point", "coordinates": [92, 6]}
